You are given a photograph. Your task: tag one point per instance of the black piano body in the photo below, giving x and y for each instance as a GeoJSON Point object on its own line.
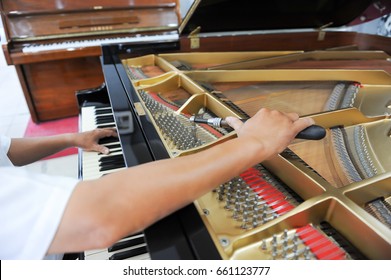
{"type": "Point", "coordinates": [183, 234]}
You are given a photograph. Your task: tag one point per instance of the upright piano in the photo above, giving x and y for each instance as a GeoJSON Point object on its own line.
{"type": "Point", "coordinates": [55, 45]}
{"type": "Point", "coordinates": [323, 199]}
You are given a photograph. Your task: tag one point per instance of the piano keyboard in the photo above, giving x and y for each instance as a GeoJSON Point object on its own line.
{"type": "Point", "coordinates": [34, 48]}
{"type": "Point", "coordinates": [95, 165]}
{"type": "Point", "coordinates": [131, 247]}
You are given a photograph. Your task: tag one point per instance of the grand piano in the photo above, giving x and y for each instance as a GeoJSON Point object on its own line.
{"type": "Point", "coordinates": [323, 199]}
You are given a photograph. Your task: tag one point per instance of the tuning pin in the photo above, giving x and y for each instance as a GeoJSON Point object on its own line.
{"type": "Point", "coordinates": [263, 245]}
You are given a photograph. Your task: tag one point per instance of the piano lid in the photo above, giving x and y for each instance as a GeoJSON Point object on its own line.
{"type": "Point", "coordinates": [251, 15]}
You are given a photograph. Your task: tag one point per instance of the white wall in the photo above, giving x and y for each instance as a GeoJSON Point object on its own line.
{"type": "Point", "coordinates": [2, 35]}
{"type": "Point", "coordinates": [184, 6]}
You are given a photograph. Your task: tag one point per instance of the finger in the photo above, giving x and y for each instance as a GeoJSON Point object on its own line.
{"type": "Point", "coordinates": [293, 116]}
{"type": "Point", "coordinates": [303, 123]}
{"type": "Point", "coordinates": [102, 149]}
{"type": "Point", "coordinates": [111, 131]}
{"type": "Point", "coordinates": [234, 122]}
{"type": "Point", "coordinates": [107, 132]}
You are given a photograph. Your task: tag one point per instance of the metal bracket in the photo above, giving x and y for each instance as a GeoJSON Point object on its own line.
{"type": "Point", "coordinates": [194, 38]}
{"type": "Point", "coordinates": [321, 32]}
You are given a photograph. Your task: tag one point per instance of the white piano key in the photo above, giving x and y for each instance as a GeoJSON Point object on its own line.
{"type": "Point", "coordinates": [71, 45]}
{"type": "Point", "coordinates": [104, 254]}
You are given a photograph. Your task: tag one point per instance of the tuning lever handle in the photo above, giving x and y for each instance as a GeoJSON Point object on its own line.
{"type": "Point", "coordinates": [313, 132]}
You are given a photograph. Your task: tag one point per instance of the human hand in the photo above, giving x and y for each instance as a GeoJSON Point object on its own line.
{"type": "Point", "coordinates": [89, 140]}
{"type": "Point", "coordinates": [271, 130]}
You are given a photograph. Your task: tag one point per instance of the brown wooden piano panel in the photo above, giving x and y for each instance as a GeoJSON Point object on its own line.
{"type": "Point", "coordinates": [51, 86]}
{"type": "Point", "coordinates": [31, 6]}
{"type": "Point", "coordinates": [66, 25]}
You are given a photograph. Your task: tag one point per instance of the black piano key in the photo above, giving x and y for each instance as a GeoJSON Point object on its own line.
{"type": "Point", "coordinates": [111, 166]}
{"type": "Point", "coordinates": [101, 121]}
{"type": "Point", "coordinates": [126, 244]}
{"type": "Point", "coordinates": [107, 140]}
{"type": "Point", "coordinates": [112, 161]}
{"type": "Point", "coordinates": [129, 254]}
{"type": "Point", "coordinates": [104, 119]}
{"type": "Point", "coordinates": [109, 158]}
{"type": "Point", "coordinates": [113, 146]}
{"type": "Point", "coordinates": [103, 111]}
{"type": "Point", "coordinates": [106, 126]}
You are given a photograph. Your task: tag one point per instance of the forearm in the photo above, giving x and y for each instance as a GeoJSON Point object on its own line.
{"type": "Point", "coordinates": [130, 200]}
{"type": "Point", "coordinates": [27, 150]}
{"type": "Point", "coordinates": [170, 184]}
{"type": "Point", "coordinates": [102, 211]}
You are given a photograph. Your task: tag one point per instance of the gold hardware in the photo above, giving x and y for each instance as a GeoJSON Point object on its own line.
{"type": "Point", "coordinates": [139, 109]}
{"type": "Point", "coordinates": [194, 38]}
{"type": "Point", "coordinates": [322, 33]}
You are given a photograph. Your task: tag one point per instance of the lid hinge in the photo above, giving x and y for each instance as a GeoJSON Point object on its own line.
{"type": "Point", "coordinates": [322, 32]}
{"type": "Point", "coordinates": [194, 38]}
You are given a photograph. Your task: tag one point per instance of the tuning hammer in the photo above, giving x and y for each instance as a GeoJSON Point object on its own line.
{"type": "Point", "coordinates": [313, 132]}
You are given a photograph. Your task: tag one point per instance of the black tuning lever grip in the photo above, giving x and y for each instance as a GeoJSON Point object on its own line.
{"type": "Point", "coordinates": [313, 132]}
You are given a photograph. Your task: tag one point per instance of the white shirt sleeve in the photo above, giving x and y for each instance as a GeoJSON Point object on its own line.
{"type": "Point", "coordinates": [5, 143]}
{"type": "Point", "coordinates": [31, 208]}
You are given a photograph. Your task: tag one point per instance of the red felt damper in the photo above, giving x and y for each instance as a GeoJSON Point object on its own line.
{"type": "Point", "coordinates": [320, 245]}
{"type": "Point", "coordinates": [267, 192]}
